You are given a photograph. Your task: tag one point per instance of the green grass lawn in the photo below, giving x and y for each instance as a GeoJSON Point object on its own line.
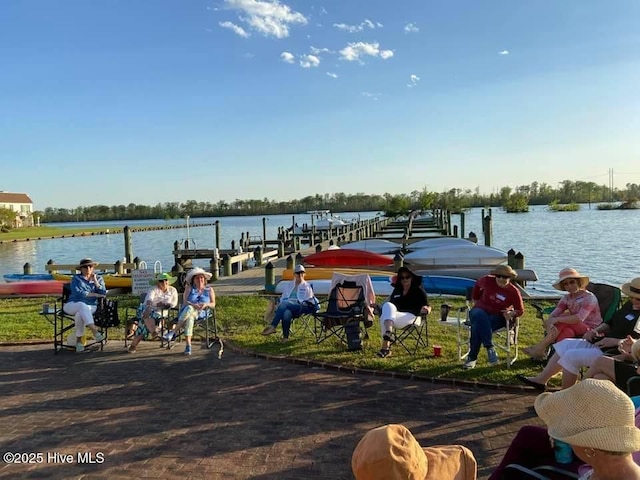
{"type": "Point", "coordinates": [241, 319]}
{"type": "Point", "coordinates": [34, 233]}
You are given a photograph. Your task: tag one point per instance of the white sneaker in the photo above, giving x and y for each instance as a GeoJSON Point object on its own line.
{"type": "Point", "coordinates": [469, 364]}
{"type": "Point", "coordinates": [79, 347]}
{"type": "Point", "coordinates": [169, 336]}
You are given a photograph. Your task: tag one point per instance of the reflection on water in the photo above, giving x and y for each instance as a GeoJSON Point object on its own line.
{"type": "Point", "coordinates": [601, 244]}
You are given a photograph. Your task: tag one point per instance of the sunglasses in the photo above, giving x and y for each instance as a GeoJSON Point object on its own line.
{"type": "Point", "coordinates": [405, 277]}
{"type": "Point", "coordinates": [570, 281]}
{"type": "Point", "coordinates": [163, 280]}
{"type": "Point", "coordinates": [299, 273]}
{"type": "Point", "coordinates": [86, 266]}
{"type": "Point", "coordinates": [502, 276]}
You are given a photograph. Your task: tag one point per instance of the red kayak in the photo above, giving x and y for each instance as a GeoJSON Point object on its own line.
{"type": "Point", "coordinates": [348, 258]}
{"type": "Point", "coordinates": [39, 287]}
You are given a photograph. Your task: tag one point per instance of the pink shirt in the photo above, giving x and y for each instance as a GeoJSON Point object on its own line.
{"type": "Point", "coordinates": [584, 305]}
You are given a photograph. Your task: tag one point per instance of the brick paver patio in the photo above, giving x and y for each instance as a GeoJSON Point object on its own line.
{"type": "Point", "coordinates": [158, 414]}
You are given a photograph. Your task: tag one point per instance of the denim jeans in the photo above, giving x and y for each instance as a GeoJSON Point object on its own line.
{"type": "Point", "coordinates": [286, 312]}
{"type": "Point", "coordinates": [483, 325]}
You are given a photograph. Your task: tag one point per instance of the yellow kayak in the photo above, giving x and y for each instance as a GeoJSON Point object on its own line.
{"type": "Point", "coordinates": [319, 273]}
{"type": "Point", "coordinates": [111, 280]}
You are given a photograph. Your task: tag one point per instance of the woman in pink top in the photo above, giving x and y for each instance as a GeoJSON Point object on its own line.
{"type": "Point", "coordinates": [577, 312]}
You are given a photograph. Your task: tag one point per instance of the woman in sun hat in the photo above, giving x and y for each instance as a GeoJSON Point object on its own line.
{"type": "Point", "coordinates": [86, 287]}
{"type": "Point", "coordinates": [571, 354]}
{"type": "Point", "coordinates": [159, 299]}
{"type": "Point", "coordinates": [297, 299]}
{"type": "Point", "coordinates": [391, 452]}
{"type": "Point", "coordinates": [405, 305]}
{"type": "Point", "coordinates": [497, 301]}
{"type": "Point", "coordinates": [198, 298]}
{"type": "Point", "coordinates": [596, 419]}
{"type": "Point", "coordinates": [620, 368]}
{"type": "Point", "coordinates": [577, 312]}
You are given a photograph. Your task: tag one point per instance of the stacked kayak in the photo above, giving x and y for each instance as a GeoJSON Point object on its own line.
{"type": "Point", "coordinates": [36, 287]}
{"type": "Point", "coordinates": [111, 280]}
{"type": "Point", "coordinates": [27, 277]}
{"type": "Point", "coordinates": [343, 257]}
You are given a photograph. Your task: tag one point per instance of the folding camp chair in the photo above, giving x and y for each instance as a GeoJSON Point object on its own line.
{"type": "Point", "coordinates": [505, 338]}
{"type": "Point", "coordinates": [205, 326]}
{"type": "Point", "coordinates": [514, 471]}
{"type": "Point", "coordinates": [347, 307]}
{"type": "Point", "coordinates": [134, 319]}
{"type": "Point", "coordinates": [416, 332]}
{"type": "Point", "coordinates": [106, 316]}
{"type": "Point", "coordinates": [609, 300]}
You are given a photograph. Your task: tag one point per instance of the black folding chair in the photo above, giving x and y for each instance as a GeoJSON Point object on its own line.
{"type": "Point", "coordinates": [346, 308]}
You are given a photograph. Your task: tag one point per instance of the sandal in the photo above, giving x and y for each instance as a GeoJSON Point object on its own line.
{"type": "Point", "coordinates": [384, 353]}
{"type": "Point", "coordinates": [388, 336]}
{"type": "Point", "coordinates": [541, 387]}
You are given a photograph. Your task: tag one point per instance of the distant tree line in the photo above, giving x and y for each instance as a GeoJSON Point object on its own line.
{"type": "Point", "coordinates": [455, 199]}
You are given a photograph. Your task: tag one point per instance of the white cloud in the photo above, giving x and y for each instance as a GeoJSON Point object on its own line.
{"type": "Point", "coordinates": [287, 57]}
{"type": "Point", "coordinates": [236, 28]}
{"type": "Point", "coordinates": [318, 51]}
{"type": "Point", "coordinates": [504, 52]}
{"type": "Point", "coordinates": [358, 28]}
{"type": "Point", "coordinates": [372, 96]}
{"type": "Point", "coordinates": [411, 28]}
{"type": "Point", "coordinates": [353, 51]}
{"type": "Point", "coordinates": [309, 61]}
{"type": "Point", "coordinates": [332, 75]}
{"type": "Point", "coordinates": [413, 80]}
{"type": "Point", "coordinates": [271, 18]}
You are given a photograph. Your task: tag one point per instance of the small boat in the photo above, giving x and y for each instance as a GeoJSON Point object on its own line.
{"type": "Point", "coordinates": [375, 245]}
{"type": "Point", "coordinates": [36, 287]}
{"type": "Point", "coordinates": [474, 273]}
{"type": "Point", "coordinates": [456, 255]}
{"type": "Point", "coordinates": [320, 273]}
{"type": "Point", "coordinates": [111, 280]}
{"type": "Point", "coordinates": [26, 277]}
{"type": "Point", "coordinates": [433, 284]}
{"type": "Point", "coordinates": [438, 242]}
{"type": "Point", "coordinates": [348, 258]}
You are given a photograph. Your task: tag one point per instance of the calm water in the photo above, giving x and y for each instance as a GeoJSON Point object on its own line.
{"type": "Point", "coordinates": [601, 244]}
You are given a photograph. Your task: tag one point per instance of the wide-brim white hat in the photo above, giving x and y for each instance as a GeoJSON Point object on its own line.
{"type": "Point", "coordinates": [197, 271]}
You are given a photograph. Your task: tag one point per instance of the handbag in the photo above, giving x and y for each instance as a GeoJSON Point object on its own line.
{"type": "Point", "coordinates": [106, 314]}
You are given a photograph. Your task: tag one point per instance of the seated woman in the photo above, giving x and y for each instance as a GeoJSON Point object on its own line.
{"type": "Point", "coordinates": [297, 299]}
{"type": "Point", "coordinates": [497, 301]}
{"type": "Point", "coordinates": [407, 301]}
{"type": "Point", "coordinates": [198, 297]}
{"type": "Point", "coordinates": [577, 312]}
{"type": "Point", "coordinates": [571, 354]}
{"type": "Point", "coordinates": [160, 298]}
{"type": "Point", "coordinates": [86, 288]}
{"type": "Point", "coordinates": [596, 419]}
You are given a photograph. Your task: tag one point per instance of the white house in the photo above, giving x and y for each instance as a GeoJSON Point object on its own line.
{"type": "Point", "coordinates": [21, 204]}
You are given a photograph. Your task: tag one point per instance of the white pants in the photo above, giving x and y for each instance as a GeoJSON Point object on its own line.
{"type": "Point", "coordinates": [83, 314]}
{"type": "Point", "coordinates": [399, 319]}
{"type": "Point", "coordinates": [575, 353]}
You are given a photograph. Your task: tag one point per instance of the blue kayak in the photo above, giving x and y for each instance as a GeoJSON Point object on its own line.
{"type": "Point", "coordinates": [23, 277]}
{"type": "Point", "coordinates": [444, 285]}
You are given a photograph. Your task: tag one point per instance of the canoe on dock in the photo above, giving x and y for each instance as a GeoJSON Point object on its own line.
{"type": "Point", "coordinates": [111, 280]}
{"type": "Point", "coordinates": [36, 287]}
{"type": "Point", "coordinates": [375, 245]}
{"type": "Point", "coordinates": [319, 273]}
{"type": "Point", "coordinates": [456, 256]}
{"type": "Point", "coordinates": [347, 258]}
{"type": "Point", "coordinates": [27, 277]}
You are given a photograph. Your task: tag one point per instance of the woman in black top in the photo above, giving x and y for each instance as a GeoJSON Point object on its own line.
{"type": "Point", "coordinates": [407, 301]}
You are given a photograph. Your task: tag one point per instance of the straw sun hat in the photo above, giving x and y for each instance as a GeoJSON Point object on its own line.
{"type": "Point", "coordinates": [504, 270]}
{"type": "Point", "coordinates": [592, 413]}
{"type": "Point", "coordinates": [567, 273]}
{"type": "Point", "coordinates": [632, 288]}
{"type": "Point", "coordinates": [194, 272]}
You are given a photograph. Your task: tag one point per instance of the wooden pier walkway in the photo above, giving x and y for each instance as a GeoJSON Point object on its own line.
{"type": "Point", "coordinates": [251, 280]}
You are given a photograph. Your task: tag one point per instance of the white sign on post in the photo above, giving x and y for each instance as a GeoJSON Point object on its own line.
{"type": "Point", "coordinates": [141, 280]}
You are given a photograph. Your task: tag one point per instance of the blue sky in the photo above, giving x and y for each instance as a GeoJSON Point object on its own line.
{"type": "Point", "coordinates": [119, 101]}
